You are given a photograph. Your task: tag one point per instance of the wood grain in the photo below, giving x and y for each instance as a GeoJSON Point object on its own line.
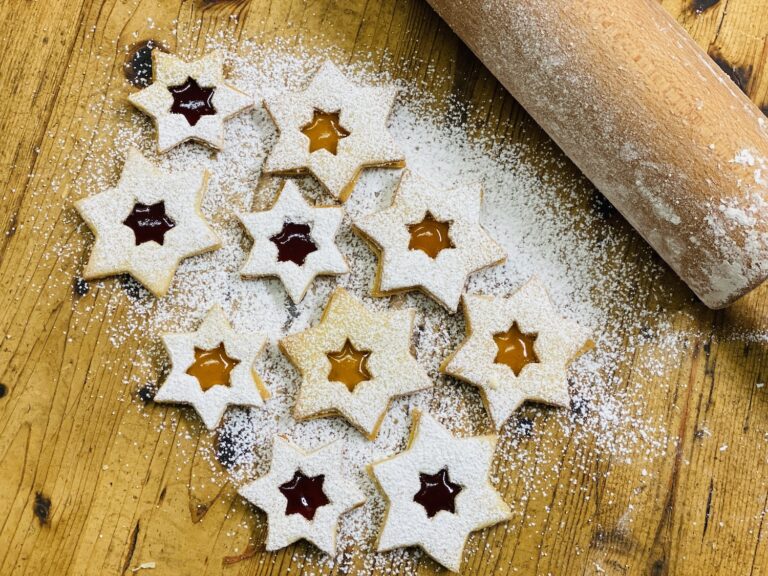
{"type": "Point", "coordinates": [121, 493]}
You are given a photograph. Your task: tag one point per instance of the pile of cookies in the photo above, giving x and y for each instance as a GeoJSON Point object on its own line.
{"type": "Point", "coordinates": [354, 361]}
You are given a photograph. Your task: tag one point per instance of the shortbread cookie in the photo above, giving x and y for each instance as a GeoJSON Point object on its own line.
{"type": "Point", "coordinates": [189, 100]}
{"type": "Point", "coordinates": [293, 241]}
{"type": "Point", "coordinates": [333, 129]}
{"type": "Point", "coordinates": [354, 362]}
{"type": "Point", "coordinates": [304, 494]}
{"type": "Point", "coordinates": [147, 224]}
{"type": "Point", "coordinates": [431, 239]}
{"type": "Point", "coordinates": [517, 349]}
{"type": "Point", "coordinates": [212, 368]}
{"type": "Point", "coordinates": [438, 491]}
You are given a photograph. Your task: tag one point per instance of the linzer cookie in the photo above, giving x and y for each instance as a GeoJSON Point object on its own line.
{"type": "Point", "coordinates": [333, 129]}
{"type": "Point", "coordinates": [147, 224]}
{"type": "Point", "coordinates": [189, 100]}
{"type": "Point", "coordinates": [517, 349]}
{"type": "Point", "coordinates": [212, 368]}
{"type": "Point", "coordinates": [293, 241]}
{"type": "Point", "coordinates": [354, 362]}
{"type": "Point", "coordinates": [304, 494]}
{"type": "Point", "coordinates": [438, 492]}
{"type": "Point", "coordinates": [430, 239]}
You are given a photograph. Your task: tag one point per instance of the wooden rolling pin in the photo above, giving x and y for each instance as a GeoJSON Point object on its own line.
{"type": "Point", "coordinates": [648, 117]}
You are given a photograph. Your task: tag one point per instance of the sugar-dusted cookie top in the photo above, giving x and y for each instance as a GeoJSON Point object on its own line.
{"type": "Point", "coordinates": [354, 362]}
{"type": "Point", "coordinates": [517, 349]}
{"type": "Point", "coordinates": [212, 368]}
{"type": "Point", "coordinates": [293, 241]}
{"type": "Point", "coordinates": [430, 239]}
{"type": "Point", "coordinates": [438, 491]}
{"type": "Point", "coordinates": [147, 224]}
{"type": "Point", "coordinates": [304, 494]}
{"type": "Point", "coordinates": [333, 129]}
{"type": "Point", "coordinates": [189, 100]}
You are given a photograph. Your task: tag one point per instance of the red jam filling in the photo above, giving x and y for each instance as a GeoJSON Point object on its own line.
{"type": "Point", "coordinates": [294, 243]}
{"type": "Point", "coordinates": [304, 494]}
{"type": "Point", "coordinates": [149, 222]}
{"type": "Point", "coordinates": [192, 100]}
{"type": "Point", "coordinates": [437, 493]}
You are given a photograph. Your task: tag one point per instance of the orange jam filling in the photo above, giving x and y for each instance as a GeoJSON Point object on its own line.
{"type": "Point", "coordinates": [212, 367]}
{"type": "Point", "coordinates": [324, 132]}
{"type": "Point", "coordinates": [349, 366]}
{"type": "Point", "coordinates": [515, 349]}
{"type": "Point", "coordinates": [430, 236]}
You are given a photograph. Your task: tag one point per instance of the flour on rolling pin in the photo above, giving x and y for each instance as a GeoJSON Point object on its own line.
{"type": "Point", "coordinates": [648, 118]}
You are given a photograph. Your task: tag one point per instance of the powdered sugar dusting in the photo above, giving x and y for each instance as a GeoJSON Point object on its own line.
{"type": "Point", "coordinates": [363, 112]}
{"type": "Point", "coordinates": [263, 227]}
{"type": "Point", "coordinates": [444, 275]}
{"type": "Point", "coordinates": [540, 219]}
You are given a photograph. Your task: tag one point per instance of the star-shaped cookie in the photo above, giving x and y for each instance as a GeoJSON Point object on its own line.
{"type": "Point", "coordinates": [212, 368]}
{"type": "Point", "coordinates": [147, 224]}
{"type": "Point", "coordinates": [333, 129]}
{"type": "Point", "coordinates": [438, 491]}
{"type": "Point", "coordinates": [304, 494]}
{"type": "Point", "coordinates": [293, 241]}
{"type": "Point", "coordinates": [517, 349]}
{"type": "Point", "coordinates": [430, 239]}
{"type": "Point", "coordinates": [354, 362]}
{"type": "Point", "coordinates": [189, 100]}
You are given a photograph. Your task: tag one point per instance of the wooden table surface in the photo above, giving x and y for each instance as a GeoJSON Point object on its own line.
{"type": "Point", "coordinates": [89, 486]}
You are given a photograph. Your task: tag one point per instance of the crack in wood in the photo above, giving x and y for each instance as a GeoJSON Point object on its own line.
{"type": "Point", "coordinates": [708, 510]}
{"type": "Point", "coordinates": [131, 547]}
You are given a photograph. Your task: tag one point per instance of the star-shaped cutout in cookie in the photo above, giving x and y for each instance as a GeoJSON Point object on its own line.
{"type": "Point", "coordinates": [192, 101]}
{"type": "Point", "coordinates": [438, 491]}
{"type": "Point", "coordinates": [517, 349]}
{"type": "Point", "coordinates": [333, 129]}
{"type": "Point", "coordinates": [189, 100]}
{"type": "Point", "coordinates": [147, 224]}
{"type": "Point", "coordinates": [430, 239]}
{"type": "Point", "coordinates": [293, 241]}
{"type": "Point", "coordinates": [304, 494]}
{"type": "Point", "coordinates": [324, 132]}
{"type": "Point", "coordinates": [212, 368]}
{"type": "Point", "coordinates": [349, 366]}
{"type": "Point", "coordinates": [384, 338]}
